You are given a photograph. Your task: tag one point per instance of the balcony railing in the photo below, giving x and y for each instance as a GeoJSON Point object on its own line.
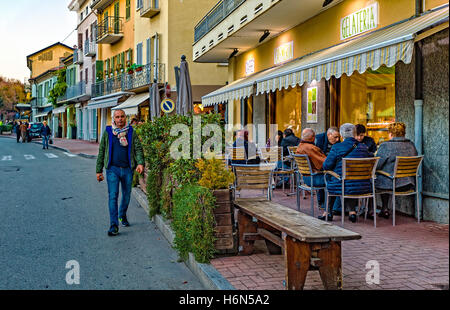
{"type": "Point", "coordinates": [73, 92]}
{"type": "Point", "coordinates": [127, 82]}
{"type": "Point", "coordinates": [217, 14]}
{"type": "Point", "coordinates": [110, 30]}
{"type": "Point", "coordinates": [149, 8]}
{"type": "Point", "coordinates": [90, 48]}
{"type": "Point", "coordinates": [77, 57]}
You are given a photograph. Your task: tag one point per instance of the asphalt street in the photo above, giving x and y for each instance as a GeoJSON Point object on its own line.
{"type": "Point", "coordinates": [53, 211]}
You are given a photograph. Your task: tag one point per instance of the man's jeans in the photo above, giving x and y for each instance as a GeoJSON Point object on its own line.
{"type": "Point", "coordinates": [114, 177]}
{"type": "Point", "coordinates": [318, 181]}
{"type": "Point", "coordinates": [284, 166]}
{"type": "Point", "coordinates": [45, 142]}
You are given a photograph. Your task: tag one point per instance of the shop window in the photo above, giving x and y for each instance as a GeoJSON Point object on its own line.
{"type": "Point", "coordinates": [369, 99]}
{"type": "Point", "coordinates": [286, 109]}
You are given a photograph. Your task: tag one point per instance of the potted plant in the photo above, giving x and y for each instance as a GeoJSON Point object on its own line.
{"type": "Point", "coordinates": [218, 179]}
{"type": "Point", "coordinates": [139, 68]}
{"type": "Point", "coordinates": [130, 70]}
{"type": "Point", "coordinates": [99, 76]}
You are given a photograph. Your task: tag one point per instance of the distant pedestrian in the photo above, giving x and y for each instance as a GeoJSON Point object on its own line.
{"type": "Point", "coordinates": [45, 135]}
{"type": "Point", "coordinates": [17, 129]}
{"type": "Point", "coordinates": [23, 131]}
{"type": "Point", "coordinates": [120, 153]}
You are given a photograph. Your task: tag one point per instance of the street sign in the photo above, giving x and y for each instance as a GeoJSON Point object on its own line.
{"type": "Point", "coordinates": [167, 106]}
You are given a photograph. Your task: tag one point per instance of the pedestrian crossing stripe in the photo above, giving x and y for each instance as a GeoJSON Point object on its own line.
{"type": "Point", "coordinates": [70, 155]}
{"type": "Point", "coordinates": [51, 155]}
{"type": "Point", "coordinates": [6, 158]}
{"type": "Point", "coordinates": [29, 157]}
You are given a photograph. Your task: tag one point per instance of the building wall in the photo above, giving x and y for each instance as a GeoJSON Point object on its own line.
{"type": "Point", "coordinates": [106, 51]}
{"type": "Point", "coordinates": [175, 26]}
{"type": "Point", "coordinates": [323, 31]}
{"type": "Point", "coordinates": [88, 62]}
{"type": "Point", "coordinates": [48, 59]}
{"type": "Point", "coordinates": [435, 123]}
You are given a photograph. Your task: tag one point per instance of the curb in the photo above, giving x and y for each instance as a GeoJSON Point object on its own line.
{"type": "Point", "coordinates": [58, 148]}
{"type": "Point", "coordinates": [206, 273]}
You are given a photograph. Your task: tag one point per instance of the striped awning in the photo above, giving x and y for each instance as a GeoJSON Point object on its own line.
{"type": "Point", "coordinates": [41, 114]}
{"type": "Point", "coordinates": [130, 106]}
{"type": "Point", "coordinates": [59, 110]}
{"type": "Point", "coordinates": [386, 46]}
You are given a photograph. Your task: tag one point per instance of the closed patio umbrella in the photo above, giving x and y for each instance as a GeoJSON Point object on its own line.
{"type": "Point", "coordinates": [184, 101]}
{"type": "Point", "coordinates": [155, 101]}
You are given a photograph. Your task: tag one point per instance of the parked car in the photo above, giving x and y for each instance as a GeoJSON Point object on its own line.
{"type": "Point", "coordinates": [34, 131]}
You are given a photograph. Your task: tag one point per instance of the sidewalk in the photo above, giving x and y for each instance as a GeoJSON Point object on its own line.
{"type": "Point", "coordinates": [77, 147]}
{"type": "Point", "coordinates": [411, 255]}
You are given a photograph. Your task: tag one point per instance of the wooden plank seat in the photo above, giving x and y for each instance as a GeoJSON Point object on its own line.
{"type": "Point", "coordinates": [307, 243]}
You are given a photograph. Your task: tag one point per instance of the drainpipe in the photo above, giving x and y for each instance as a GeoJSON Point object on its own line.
{"type": "Point", "coordinates": [418, 112]}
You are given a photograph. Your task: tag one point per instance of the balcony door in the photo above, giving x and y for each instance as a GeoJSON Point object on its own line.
{"type": "Point", "coordinates": [116, 18]}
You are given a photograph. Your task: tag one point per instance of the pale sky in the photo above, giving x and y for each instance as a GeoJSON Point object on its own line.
{"type": "Point", "coordinates": [27, 26]}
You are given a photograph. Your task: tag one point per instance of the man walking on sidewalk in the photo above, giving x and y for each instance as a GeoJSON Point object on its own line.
{"type": "Point", "coordinates": [45, 135]}
{"type": "Point", "coordinates": [23, 131]}
{"type": "Point", "coordinates": [120, 152]}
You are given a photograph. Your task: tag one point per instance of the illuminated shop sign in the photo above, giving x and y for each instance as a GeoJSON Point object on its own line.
{"type": "Point", "coordinates": [284, 52]}
{"type": "Point", "coordinates": [250, 66]}
{"type": "Point", "coordinates": [359, 22]}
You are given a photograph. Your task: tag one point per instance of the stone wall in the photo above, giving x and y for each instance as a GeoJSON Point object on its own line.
{"type": "Point", "coordinates": [435, 123]}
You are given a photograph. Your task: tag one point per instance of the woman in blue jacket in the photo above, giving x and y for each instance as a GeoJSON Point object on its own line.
{"type": "Point", "coordinates": [349, 148]}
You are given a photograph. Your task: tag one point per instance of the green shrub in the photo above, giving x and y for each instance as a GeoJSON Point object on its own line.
{"type": "Point", "coordinates": [193, 222]}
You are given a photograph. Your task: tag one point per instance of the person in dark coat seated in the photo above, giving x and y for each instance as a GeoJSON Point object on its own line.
{"type": "Point", "coordinates": [289, 139]}
{"type": "Point", "coordinates": [349, 148]}
{"type": "Point", "coordinates": [398, 145]}
{"type": "Point", "coordinates": [361, 137]}
{"type": "Point", "coordinates": [326, 140]}
{"type": "Point", "coordinates": [251, 157]}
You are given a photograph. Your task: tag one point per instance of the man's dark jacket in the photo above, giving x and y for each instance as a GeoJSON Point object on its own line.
{"type": "Point", "coordinates": [45, 131]}
{"type": "Point", "coordinates": [334, 163]}
{"type": "Point", "coordinates": [322, 142]}
{"type": "Point", "coordinates": [370, 142]}
{"type": "Point", "coordinates": [287, 141]}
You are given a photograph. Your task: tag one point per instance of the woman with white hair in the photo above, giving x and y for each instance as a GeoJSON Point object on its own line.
{"type": "Point", "coordinates": [349, 148]}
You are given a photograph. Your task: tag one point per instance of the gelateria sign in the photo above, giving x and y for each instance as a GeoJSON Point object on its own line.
{"type": "Point", "coordinates": [284, 53]}
{"type": "Point", "coordinates": [359, 22]}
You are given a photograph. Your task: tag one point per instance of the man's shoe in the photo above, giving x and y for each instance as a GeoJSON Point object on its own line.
{"type": "Point", "coordinates": [113, 231]}
{"type": "Point", "coordinates": [352, 218]}
{"type": "Point", "coordinates": [322, 217]}
{"type": "Point", "coordinates": [124, 221]}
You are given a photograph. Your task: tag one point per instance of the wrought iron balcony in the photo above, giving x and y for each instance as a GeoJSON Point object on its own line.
{"type": "Point", "coordinates": [78, 57]}
{"type": "Point", "coordinates": [217, 14]}
{"type": "Point", "coordinates": [90, 48]}
{"type": "Point", "coordinates": [73, 93]}
{"type": "Point", "coordinates": [126, 82]}
{"type": "Point", "coordinates": [110, 30]}
{"type": "Point", "coordinates": [149, 8]}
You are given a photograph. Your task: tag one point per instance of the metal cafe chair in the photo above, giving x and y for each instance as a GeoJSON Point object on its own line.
{"type": "Point", "coordinates": [355, 169]}
{"type": "Point", "coordinates": [304, 168]}
{"type": "Point", "coordinates": [292, 151]}
{"type": "Point", "coordinates": [254, 177]}
{"type": "Point", "coordinates": [273, 155]}
{"type": "Point", "coordinates": [405, 166]}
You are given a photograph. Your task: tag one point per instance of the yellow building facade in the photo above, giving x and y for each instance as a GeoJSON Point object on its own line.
{"type": "Point", "coordinates": [47, 58]}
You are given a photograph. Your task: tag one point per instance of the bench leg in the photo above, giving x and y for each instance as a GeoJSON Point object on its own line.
{"type": "Point", "coordinates": [246, 225]}
{"type": "Point", "coordinates": [297, 260]}
{"type": "Point", "coordinates": [330, 268]}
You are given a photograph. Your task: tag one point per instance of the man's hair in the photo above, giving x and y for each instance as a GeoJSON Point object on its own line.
{"type": "Point", "coordinates": [308, 134]}
{"type": "Point", "coordinates": [347, 131]}
{"type": "Point", "coordinates": [332, 130]}
{"type": "Point", "coordinates": [360, 129]}
{"type": "Point", "coordinates": [288, 131]}
{"type": "Point", "coordinates": [114, 114]}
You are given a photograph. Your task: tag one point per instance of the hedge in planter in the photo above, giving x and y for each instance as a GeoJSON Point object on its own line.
{"type": "Point", "coordinates": [193, 222]}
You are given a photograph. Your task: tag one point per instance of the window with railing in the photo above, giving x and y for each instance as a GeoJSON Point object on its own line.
{"type": "Point", "coordinates": [109, 25]}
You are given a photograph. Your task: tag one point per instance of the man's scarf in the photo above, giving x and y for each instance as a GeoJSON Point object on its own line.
{"type": "Point", "coordinates": [121, 134]}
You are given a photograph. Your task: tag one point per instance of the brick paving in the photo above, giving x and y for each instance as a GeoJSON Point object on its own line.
{"type": "Point", "coordinates": [411, 256]}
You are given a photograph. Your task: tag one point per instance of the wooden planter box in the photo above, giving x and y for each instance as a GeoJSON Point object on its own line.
{"type": "Point", "coordinates": [225, 231]}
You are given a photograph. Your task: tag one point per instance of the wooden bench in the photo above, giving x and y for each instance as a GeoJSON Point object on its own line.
{"type": "Point", "coordinates": [307, 243]}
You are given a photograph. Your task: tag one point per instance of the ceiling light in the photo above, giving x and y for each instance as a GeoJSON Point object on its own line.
{"type": "Point", "coordinates": [264, 36]}
{"type": "Point", "coordinates": [233, 53]}
{"type": "Point", "coordinates": [326, 2]}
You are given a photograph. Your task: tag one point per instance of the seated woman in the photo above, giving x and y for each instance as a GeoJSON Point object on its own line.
{"type": "Point", "coordinates": [349, 148]}
{"type": "Point", "coordinates": [398, 145]}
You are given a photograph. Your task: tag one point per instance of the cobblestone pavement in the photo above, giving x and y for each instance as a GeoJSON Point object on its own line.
{"type": "Point", "coordinates": [411, 256]}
